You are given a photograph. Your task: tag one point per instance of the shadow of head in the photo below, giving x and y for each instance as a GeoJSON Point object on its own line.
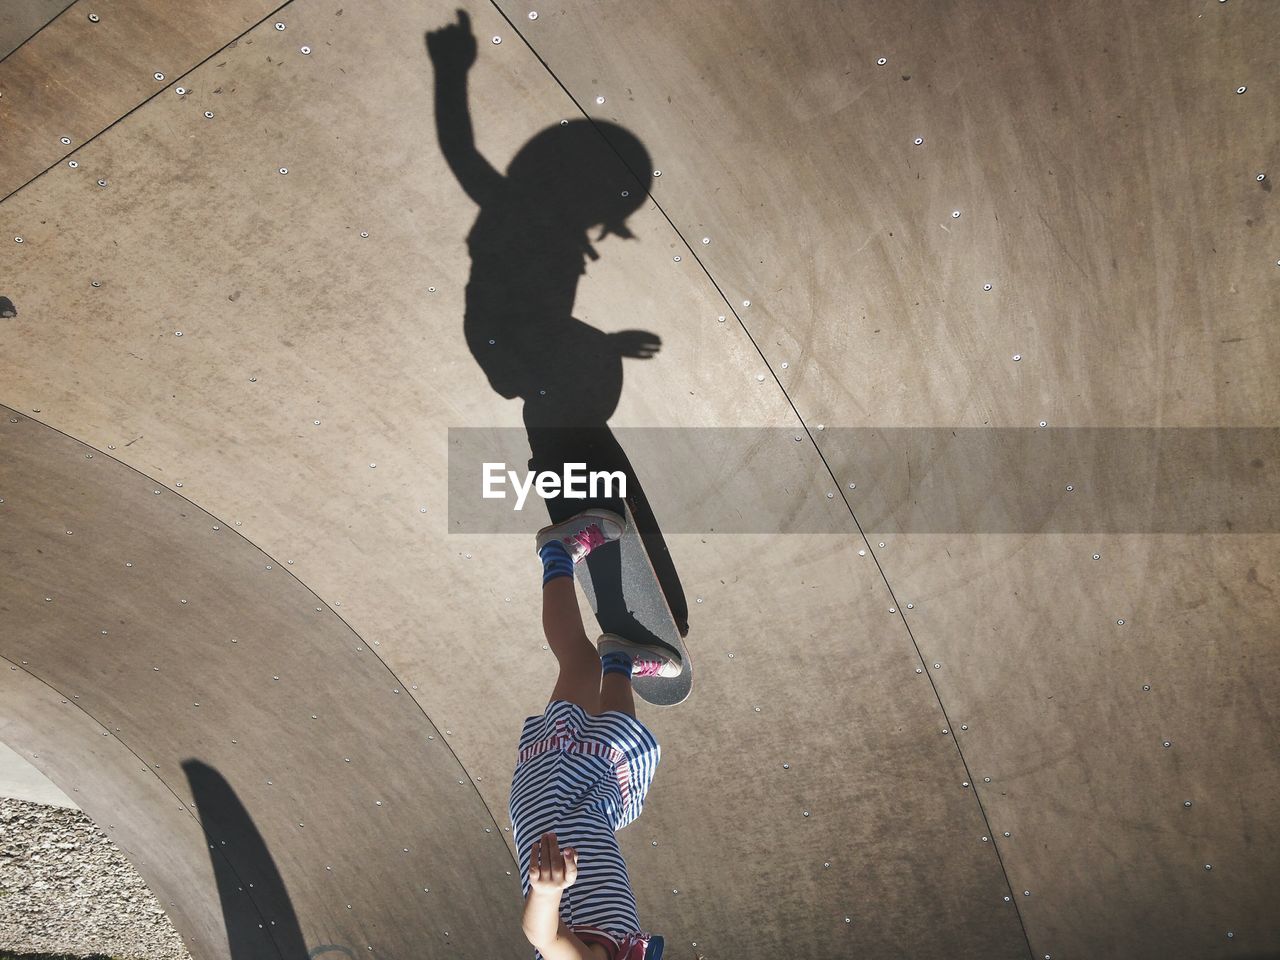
{"type": "Point", "coordinates": [580, 173]}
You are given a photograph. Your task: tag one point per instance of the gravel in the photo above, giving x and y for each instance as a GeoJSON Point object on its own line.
{"type": "Point", "coordinates": [65, 888]}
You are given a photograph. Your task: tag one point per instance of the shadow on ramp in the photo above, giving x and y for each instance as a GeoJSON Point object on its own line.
{"type": "Point", "coordinates": [529, 246]}
{"type": "Point", "coordinates": [260, 919]}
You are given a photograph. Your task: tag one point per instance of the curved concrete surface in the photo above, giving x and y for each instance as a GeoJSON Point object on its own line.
{"type": "Point", "coordinates": [904, 739]}
{"type": "Point", "coordinates": [19, 780]}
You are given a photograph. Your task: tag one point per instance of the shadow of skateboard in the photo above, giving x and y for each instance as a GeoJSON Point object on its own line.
{"type": "Point", "coordinates": [644, 615]}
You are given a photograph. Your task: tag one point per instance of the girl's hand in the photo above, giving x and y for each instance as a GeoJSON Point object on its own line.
{"type": "Point", "coordinates": [453, 47]}
{"type": "Point", "coordinates": [549, 870]}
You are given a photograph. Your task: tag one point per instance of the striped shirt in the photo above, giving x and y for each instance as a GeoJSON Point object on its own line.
{"type": "Point", "coordinates": [583, 777]}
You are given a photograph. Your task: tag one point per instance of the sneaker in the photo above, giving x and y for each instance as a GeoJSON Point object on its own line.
{"type": "Point", "coordinates": [583, 533]}
{"type": "Point", "coordinates": [647, 659]}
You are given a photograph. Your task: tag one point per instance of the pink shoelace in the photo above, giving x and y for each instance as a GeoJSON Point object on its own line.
{"type": "Point", "coordinates": [587, 539]}
{"type": "Point", "coordinates": [647, 668]}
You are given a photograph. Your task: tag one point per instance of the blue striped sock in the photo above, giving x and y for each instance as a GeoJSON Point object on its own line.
{"type": "Point", "coordinates": [555, 561]}
{"type": "Point", "coordinates": [616, 661]}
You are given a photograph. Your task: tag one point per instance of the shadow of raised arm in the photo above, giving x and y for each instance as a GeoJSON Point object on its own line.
{"type": "Point", "coordinates": [453, 51]}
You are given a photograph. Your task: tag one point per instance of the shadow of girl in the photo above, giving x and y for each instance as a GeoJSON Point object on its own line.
{"type": "Point", "coordinates": [529, 246]}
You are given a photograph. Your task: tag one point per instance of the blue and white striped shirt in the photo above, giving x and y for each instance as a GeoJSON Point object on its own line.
{"type": "Point", "coordinates": [583, 777]}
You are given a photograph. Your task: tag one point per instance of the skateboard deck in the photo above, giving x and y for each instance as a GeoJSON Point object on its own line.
{"type": "Point", "coordinates": [641, 613]}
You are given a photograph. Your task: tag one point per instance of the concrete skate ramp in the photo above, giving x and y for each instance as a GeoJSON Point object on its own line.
{"type": "Point", "coordinates": [232, 385]}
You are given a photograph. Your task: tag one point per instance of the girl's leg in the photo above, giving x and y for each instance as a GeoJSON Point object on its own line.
{"type": "Point", "coordinates": [615, 694]}
{"type": "Point", "coordinates": [579, 680]}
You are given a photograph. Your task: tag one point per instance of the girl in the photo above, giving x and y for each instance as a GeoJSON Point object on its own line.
{"type": "Point", "coordinates": [583, 769]}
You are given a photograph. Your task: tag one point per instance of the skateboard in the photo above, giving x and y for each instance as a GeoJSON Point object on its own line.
{"type": "Point", "coordinates": [641, 613]}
